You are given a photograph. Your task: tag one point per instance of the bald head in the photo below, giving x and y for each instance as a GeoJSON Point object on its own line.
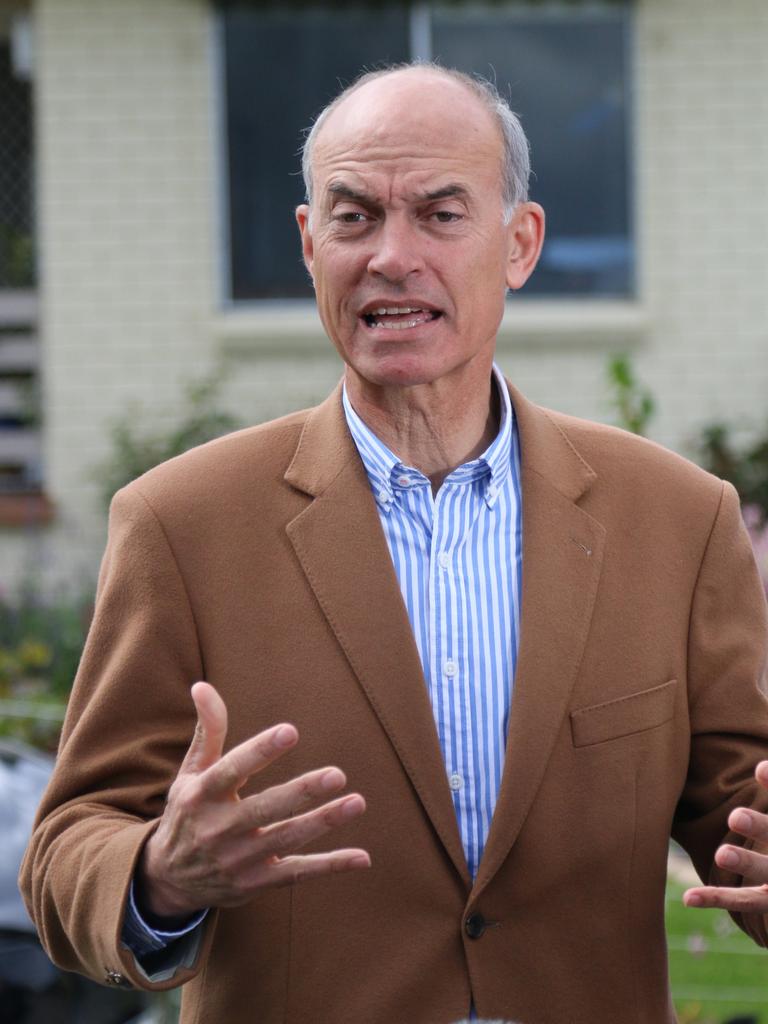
{"type": "Point", "coordinates": [401, 86]}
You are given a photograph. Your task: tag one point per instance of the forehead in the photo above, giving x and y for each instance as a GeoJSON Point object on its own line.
{"type": "Point", "coordinates": [413, 125]}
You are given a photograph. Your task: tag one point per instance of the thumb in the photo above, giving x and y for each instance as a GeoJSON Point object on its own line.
{"type": "Point", "coordinates": [210, 732]}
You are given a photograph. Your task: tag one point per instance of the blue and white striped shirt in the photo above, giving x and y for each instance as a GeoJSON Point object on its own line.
{"type": "Point", "coordinates": [458, 559]}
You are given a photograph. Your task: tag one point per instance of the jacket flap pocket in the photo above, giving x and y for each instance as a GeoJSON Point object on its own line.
{"type": "Point", "coordinates": [623, 716]}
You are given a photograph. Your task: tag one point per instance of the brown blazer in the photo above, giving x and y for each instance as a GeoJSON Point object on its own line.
{"type": "Point", "coordinates": [258, 562]}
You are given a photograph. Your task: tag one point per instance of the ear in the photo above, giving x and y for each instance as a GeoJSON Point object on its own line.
{"type": "Point", "coordinates": [526, 237]}
{"type": "Point", "coordinates": [307, 247]}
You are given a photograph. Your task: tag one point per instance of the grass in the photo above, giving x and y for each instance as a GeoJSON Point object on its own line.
{"type": "Point", "coordinates": [717, 972]}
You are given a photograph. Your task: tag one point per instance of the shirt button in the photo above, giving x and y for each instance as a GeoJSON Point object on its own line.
{"type": "Point", "coordinates": [383, 496]}
{"type": "Point", "coordinates": [456, 782]}
{"type": "Point", "coordinates": [450, 668]}
{"type": "Point", "coordinates": [443, 560]}
{"type": "Point", "coordinates": [404, 480]}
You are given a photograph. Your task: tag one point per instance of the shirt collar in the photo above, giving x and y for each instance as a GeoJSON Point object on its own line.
{"type": "Point", "coordinates": [383, 467]}
{"type": "Point", "coordinates": [378, 460]}
{"type": "Point", "coordinates": [498, 454]}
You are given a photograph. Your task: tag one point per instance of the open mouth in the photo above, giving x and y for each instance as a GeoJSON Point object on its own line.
{"type": "Point", "coordinates": [398, 318]}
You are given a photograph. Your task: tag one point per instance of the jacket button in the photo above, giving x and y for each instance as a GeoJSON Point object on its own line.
{"type": "Point", "coordinates": [475, 925]}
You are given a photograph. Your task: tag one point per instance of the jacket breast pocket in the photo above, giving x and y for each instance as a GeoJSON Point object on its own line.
{"type": "Point", "coordinates": [625, 716]}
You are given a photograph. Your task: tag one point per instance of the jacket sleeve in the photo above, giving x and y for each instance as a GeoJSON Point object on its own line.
{"type": "Point", "coordinates": [727, 684]}
{"type": "Point", "coordinates": [128, 724]}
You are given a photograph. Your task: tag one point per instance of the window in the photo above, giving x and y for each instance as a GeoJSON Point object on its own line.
{"type": "Point", "coordinates": [21, 500]}
{"type": "Point", "coordinates": [563, 68]}
{"type": "Point", "coordinates": [16, 177]}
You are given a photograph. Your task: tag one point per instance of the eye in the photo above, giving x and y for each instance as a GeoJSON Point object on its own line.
{"type": "Point", "coordinates": [346, 215]}
{"type": "Point", "coordinates": [446, 216]}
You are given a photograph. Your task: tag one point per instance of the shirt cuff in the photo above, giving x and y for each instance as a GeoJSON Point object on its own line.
{"type": "Point", "coordinates": [142, 939]}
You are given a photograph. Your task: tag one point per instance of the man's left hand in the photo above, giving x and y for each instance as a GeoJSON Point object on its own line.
{"type": "Point", "coordinates": [752, 896]}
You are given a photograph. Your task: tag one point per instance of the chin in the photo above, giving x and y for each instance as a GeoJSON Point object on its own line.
{"type": "Point", "coordinates": [399, 371]}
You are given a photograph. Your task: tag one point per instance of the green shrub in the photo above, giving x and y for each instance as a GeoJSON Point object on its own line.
{"type": "Point", "coordinates": [137, 448]}
{"type": "Point", "coordinates": [632, 403]}
{"type": "Point", "coordinates": [41, 640]}
{"type": "Point", "coordinates": [745, 466]}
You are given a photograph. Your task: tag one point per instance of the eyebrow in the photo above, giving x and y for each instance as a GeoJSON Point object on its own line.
{"type": "Point", "coordinates": [447, 192]}
{"type": "Point", "coordinates": [338, 188]}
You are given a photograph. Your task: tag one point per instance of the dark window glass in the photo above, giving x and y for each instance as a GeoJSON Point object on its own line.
{"type": "Point", "coordinates": [281, 70]}
{"type": "Point", "coordinates": [565, 74]}
{"type": "Point", "coordinates": [17, 263]}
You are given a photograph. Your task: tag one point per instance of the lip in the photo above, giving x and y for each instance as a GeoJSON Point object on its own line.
{"type": "Point", "coordinates": [401, 302]}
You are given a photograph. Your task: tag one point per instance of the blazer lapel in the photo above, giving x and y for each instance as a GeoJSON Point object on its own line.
{"type": "Point", "coordinates": [342, 549]}
{"type": "Point", "coordinates": [562, 555]}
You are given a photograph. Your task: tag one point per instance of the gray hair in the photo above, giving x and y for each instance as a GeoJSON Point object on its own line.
{"type": "Point", "coordinates": [516, 164]}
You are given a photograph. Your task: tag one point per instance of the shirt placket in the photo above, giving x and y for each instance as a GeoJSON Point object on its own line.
{"type": "Point", "coordinates": [448, 658]}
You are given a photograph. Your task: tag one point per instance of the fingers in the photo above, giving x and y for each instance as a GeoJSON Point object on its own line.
{"type": "Point", "coordinates": [210, 730]}
{"type": "Point", "coordinates": [212, 848]}
{"type": "Point", "coordinates": [751, 824]}
{"type": "Point", "coordinates": [291, 870]}
{"type": "Point", "coordinates": [245, 852]}
{"type": "Point", "coordinates": [746, 899]}
{"type": "Point", "coordinates": [283, 801]}
{"type": "Point", "coordinates": [285, 837]}
{"type": "Point", "coordinates": [227, 775]}
{"type": "Point", "coordinates": [750, 864]}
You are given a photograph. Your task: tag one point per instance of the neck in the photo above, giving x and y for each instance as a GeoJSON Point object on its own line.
{"type": "Point", "coordinates": [433, 427]}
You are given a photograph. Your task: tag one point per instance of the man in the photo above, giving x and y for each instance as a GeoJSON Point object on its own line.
{"type": "Point", "coordinates": [534, 646]}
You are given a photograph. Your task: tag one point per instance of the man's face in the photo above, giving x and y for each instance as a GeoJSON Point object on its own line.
{"type": "Point", "coordinates": [406, 246]}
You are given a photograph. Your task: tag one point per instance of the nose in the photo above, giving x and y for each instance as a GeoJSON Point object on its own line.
{"type": "Point", "coordinates": [396, 251]}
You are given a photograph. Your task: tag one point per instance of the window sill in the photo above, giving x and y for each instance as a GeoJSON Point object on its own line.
{"type": "Point", "coordinates": [25, 508]}
{"type": "Point", "coordinates": [274, 329]}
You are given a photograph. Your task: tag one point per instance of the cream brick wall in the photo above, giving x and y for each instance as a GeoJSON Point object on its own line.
{"type": "Point", "coordinates": [126, 204]}
{"type": "Point", "coordinates": [702, 158]}
{"type": "Point", "coordinates": [129, 227]}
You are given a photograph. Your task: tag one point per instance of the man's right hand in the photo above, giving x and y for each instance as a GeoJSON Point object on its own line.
{"type": "Point", "coordinates": [214, 849]}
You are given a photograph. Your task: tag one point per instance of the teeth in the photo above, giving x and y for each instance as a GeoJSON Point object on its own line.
{"type": "Point", "coordinates": [394, 325]}
{"type": "Point", "coordinates": [395, 309]}
{"type": "Point", "coordinates": [422, 316]}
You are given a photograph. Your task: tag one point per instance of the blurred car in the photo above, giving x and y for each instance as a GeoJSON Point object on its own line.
{"type": "Point", "coordinates": [32, 989]}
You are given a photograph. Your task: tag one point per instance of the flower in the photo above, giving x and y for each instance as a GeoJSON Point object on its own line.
{"type": "Point", "coordinates": [757, 528]}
